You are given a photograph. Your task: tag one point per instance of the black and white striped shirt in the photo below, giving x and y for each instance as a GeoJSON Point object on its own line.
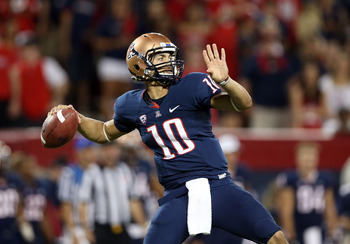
{"type": "Point", "coordinates": [109, 189]}
{"type": "Point", "coordinates": [68, 188]}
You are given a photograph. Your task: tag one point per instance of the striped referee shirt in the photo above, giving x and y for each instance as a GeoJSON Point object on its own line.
{"type": "Point", "coordinates": [109, 189]}
{"type": "Point", "coordinates": [68, 188]}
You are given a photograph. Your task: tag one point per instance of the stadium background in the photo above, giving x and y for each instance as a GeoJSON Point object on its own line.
{"type": "Point", "coordinates": [237, 25]}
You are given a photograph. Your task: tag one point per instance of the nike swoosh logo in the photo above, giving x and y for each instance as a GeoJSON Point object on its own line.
{"type": "Point", "coordinates": [173, 109]}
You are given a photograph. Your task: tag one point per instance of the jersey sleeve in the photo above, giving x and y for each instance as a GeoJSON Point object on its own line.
{"type": "Point", "coordinates": [204, 88]}
{"type": "Point", "coordinates": [124, 118]}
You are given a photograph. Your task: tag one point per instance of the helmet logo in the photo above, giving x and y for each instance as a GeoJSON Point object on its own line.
{"type": "Point", "coordinates": [132, 51]}
{"type": "Point", "coordinates": [166, 44]}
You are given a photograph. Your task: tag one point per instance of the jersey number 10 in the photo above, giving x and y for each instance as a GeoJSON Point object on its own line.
{"type": "Point", "coordinates": [169, 132]}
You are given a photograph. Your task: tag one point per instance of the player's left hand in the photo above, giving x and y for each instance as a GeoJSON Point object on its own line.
{"type": "Point", "coordinates": [216, 66]}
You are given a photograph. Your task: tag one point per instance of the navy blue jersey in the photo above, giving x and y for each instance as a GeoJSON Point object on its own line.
{"type": "Point", "coordinates": [179, 130]}
{"type": "Point", "coordinates": [9, 200]}
{"type": "Point", "coordinates": [35, 198]}
{"type": "Point", "coordinates": [344, 201]}
{"type": "Point", "coordinates": [309, 197]}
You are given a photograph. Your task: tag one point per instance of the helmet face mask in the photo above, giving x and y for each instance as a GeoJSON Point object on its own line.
{"type": "Point", "coordinates": [141, 53]}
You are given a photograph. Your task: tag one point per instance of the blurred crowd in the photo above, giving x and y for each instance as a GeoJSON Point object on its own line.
{"type": "Point", "coordinates": [108, 194]}
{"type": "Point", "coordinates": [292, 55]}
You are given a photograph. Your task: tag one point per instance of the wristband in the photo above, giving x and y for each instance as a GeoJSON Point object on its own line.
{"type": "Point", "coordinates": [104, 132]}
{"type": "Point", "coordinates": [233, 105]}
{"type": "Point", "coordinates": [224, 82]}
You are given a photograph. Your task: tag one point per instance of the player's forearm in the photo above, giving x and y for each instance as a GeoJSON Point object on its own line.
{"type": "Point", "coordinates": [92, 129]}
{"type": "Point", "coordinates": [331, 212]}
{"type": "Point", "coordinates": [66, 214]}
{"type": "Point", "coordinates": [46, 228]}
{"type": "Point", "coordinates": [137, 212]}
{"type": "Point", "coordinates": [239, 96]}
{"type": "Point", "coordinates": [288, 229]}
{"type": "Point", "coordinates": [83, 217]}
{"type": "Point", "coordinates": [286, 212]}
{"type": "Point", "coordinates": [287, 223]}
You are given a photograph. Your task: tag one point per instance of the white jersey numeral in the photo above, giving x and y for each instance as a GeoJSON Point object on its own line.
{"type": "Point", "coordinates": [211, 84]}
{"type": "Point", "coordinates": [310, 199]}
{"type": "Point", "coordinates": [8, 203]}
{"type": "Point", "coordinates": [160, 142]}
{"type": "Point", "coordinates": [170, 134]}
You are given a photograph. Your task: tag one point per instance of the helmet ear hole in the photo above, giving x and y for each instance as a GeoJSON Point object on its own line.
{"type": "Point", "coordinates": [137, 67]}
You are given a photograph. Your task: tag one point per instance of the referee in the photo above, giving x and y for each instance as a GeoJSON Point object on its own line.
{"type": "Point", "coordinates": [68, 192]}
{"type": "Point", "coordinates": [109, 187]}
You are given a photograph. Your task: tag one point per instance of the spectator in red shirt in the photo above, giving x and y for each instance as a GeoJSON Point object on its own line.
{"type": "Point", "coordinates": [8, 55]}
{"type": "Point", "coordinates": [24, 13]}
{"type": "Point", "coordinates": [307, 101]}
{"type": "Point", "coordinates": [37, 83]}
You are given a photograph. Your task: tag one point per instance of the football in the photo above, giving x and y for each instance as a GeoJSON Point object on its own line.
{"type": "Point", "coordinates": [58, 129]}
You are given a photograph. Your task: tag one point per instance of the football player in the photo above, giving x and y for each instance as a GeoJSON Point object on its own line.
{"type": "Point", "coordinates": [173, 118]}
{"type": "Point", "coordinates": [308, 211]}
{"type": "Point", "coordinates": [9, 200]}
{"type": "Point", "coordinates": [34, 193]}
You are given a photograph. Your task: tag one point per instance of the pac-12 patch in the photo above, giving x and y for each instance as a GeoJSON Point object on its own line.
{"type": "Point", "coordinates": [143, 119]}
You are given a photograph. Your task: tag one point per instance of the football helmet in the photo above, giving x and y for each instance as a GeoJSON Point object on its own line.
{"type": "Point", "coordinates": [139, 60]}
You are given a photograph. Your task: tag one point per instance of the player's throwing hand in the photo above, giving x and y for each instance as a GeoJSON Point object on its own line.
{"type": "Point", "coordinates": [55, 109]}
{"type": "Point", "coordinates": [216, 66]}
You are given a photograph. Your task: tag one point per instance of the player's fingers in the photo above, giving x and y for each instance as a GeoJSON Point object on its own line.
{"type": "Point", "coordinates": [78, 115]}
{"type": "Point", "coordinates": [76, 112]}
{"type": "Point", "coordinates": [210, 53]}
{"type": "Point", "coordinates": [52, 111]}
{"type": "Point", "coordinates": [55, 109]}
{"type": "Point", "coordinates": [223, 54]}
{"type": "Point", "coordinates": [206, 58]}
{"type": "Point", "coordinates": [216, 52]}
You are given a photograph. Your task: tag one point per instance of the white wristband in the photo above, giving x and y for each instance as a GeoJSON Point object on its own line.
{"type": "Point", "coordinates": [104, 132]}
{"type": "Point", "coordinates": [233, 105]}
{"type": "Point", "coordinates": [224, 82]}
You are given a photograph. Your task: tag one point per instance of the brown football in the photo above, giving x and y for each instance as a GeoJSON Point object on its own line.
{"type": "Point", "coordinates": [58, 129]}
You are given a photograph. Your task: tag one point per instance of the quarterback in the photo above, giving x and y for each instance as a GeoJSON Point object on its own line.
{"type": "Point", "coordinates": [173, 118]}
